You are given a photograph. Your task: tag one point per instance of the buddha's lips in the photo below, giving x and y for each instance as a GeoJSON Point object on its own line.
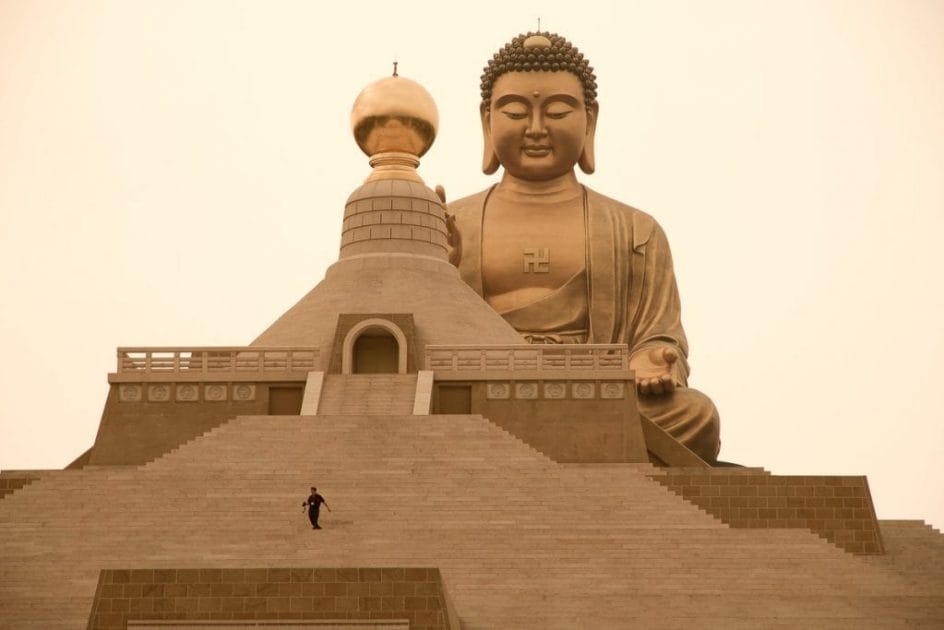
{"type": "Point", "coordinates": [536, 150]}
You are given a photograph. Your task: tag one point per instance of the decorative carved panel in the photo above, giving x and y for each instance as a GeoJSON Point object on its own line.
{"type": "Point", "coordinates": [526, 391]}
{"type": "Point", "coordinates": [159, 393]}
{"type": "Point", "coordinates": [215, 393]}
{"type": "Point", "coordinates": [613, 390]}
{"type": "Point", "coordinates": [130, 393]}
{"type": "Point", "coordinates": [498, 391]}
{"type": "Point", "coordinates": [583, 390]}
{"type": "Point", "coordinates": [187, 392]}
{"type": "Point", "coordinates": [244, 392]}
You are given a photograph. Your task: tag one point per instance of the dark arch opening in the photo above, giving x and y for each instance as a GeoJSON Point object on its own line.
{"type": "Point", "coordinates": [376, 351]}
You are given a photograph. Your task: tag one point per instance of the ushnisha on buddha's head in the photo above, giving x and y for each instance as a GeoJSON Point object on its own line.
{"type": "Point", "coordinates": [539, 108]}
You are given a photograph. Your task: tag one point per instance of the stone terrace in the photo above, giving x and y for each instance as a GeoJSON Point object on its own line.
{"type": "Point", "coordinates": [520, 541]}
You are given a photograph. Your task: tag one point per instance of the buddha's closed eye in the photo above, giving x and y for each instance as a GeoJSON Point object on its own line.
{"type": "Point", "coordinates": [556, 112]}
{"type": "Point", "coordinates": [515, 112]}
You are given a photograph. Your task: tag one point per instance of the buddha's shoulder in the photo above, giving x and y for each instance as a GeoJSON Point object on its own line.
{"type": "Point", "coordinates": [468, 204]}
{"type": "Point", "coordinates": [643, 224]}
{"type": "Point", "coordinates": [468, 211]}
{"type": "Point", "coordinates": [608, 204]}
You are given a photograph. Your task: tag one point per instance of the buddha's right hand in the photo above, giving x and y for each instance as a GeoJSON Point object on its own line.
{"type": "Point", "coordinates": [453, 238]}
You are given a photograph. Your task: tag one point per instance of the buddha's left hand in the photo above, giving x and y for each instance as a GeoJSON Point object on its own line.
{"type": "Point", "coordinates": [654, 373]}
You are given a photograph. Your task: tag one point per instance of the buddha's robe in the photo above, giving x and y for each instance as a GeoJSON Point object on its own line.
{"type": "Point", "coordinates": [627, 294]}
{"type": "Point", "coordinates": [559, 317]}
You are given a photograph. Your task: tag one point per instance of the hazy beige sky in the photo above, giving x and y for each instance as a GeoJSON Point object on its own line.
{"type": "Point", "coordinates": [174, 173]}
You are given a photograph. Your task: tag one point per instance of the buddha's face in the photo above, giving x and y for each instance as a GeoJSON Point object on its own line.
{"type": "Point", "coordinates": [538, 123]}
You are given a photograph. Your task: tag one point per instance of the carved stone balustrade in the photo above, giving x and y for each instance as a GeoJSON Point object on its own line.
{"type": "Point", "coordinates": [529, 361]}
{"type": "Point", "coordinates": [246, 363]}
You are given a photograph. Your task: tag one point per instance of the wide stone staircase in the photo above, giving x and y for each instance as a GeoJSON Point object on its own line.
{"type": "Point", "coordinates": [367, 394]}
{"type": "Point", "coordinates": [916, 550]}
{"type": "Point", "coordinates": [521, 541]}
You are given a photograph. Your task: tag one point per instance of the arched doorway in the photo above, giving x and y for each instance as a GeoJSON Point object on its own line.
{"type": "Point", "coordinates": [375, 352]}
{"type": "Point", "coordinates": [374, 346]}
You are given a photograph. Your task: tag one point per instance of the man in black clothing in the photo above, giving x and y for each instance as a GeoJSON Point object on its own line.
{"type": "Point", "coordinates": [314, 505]}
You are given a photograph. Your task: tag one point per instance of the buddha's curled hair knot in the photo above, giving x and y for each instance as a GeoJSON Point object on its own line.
{"type": "Point", "coordinates": [561, 55]}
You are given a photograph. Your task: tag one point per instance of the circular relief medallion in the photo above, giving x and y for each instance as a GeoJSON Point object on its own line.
{"type": "Point", "coordinates": [554, 390]}
{"type": "Point", "coordinates": [129, 393]}
{"type": "Point", "coordinates": [244, 392]}
{"type": "Point", "coordinates": [159, 393]}
{"type": "Point", "coordinates": [526, 391]}
{"type": "Point", "coordinates": [498, 390]}
{"type": "Point", "coordinates": [215, 392]}
{"type": "Point", "coordinates": [583, 390]}
{"type": "Point", "coordinates": [186, 392]}
{"type": "Point", "coordinates": [611, 390]}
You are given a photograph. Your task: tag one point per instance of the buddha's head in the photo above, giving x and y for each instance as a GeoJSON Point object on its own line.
{"type": "Point", "coordinates": [539, 108]}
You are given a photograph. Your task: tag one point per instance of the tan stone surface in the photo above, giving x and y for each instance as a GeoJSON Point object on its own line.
{"type": "Point", "coordinates": [445, 310]}
{"type": "Point", "coordinates": [521, 542]}
{"type": "Point", "coordinates": [11, 481]}
{"type": "Point", "coordinates": [139, 431]}
{"type": "Point", "coordinates": [311, 399]}
{"type": "Point", "coordinates": [321, 624]}
{"type": "Point", "coordinates": [566, 425]}
{"type": "Point", "coordinates": [351, 325]}
{"type": "Point", "coordinates": [368, 394]}
{"type": "Point", "coordinates": [349, 598]}
{"type": "Point", "coordinates": [423, 399]}
{"type": "Point", "coordinates": [837, 508]}
{"type": "Point", "coordinates": [915, 550]}
{"type": "Point", "coordinates": [394, 216]}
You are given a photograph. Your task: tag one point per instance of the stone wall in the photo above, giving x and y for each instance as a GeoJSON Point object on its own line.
{"type": "Point", "coordinates": [569, 420]}
{"type": "Point", "coordinates": [414, 594]}
{"type": "Point", "coordinates": [837, 508]}
{"type": "Point", "coordinates": [142, 421]}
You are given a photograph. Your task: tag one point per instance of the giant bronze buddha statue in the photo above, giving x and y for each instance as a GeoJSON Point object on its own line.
{"type": "Point", "coordinates": [560, 262]}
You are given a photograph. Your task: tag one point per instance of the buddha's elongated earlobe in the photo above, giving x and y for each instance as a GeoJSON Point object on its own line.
{"type": "Point", "coordinates": [490, 161]}
{"type": "Point", "coordinates": [587, 161]}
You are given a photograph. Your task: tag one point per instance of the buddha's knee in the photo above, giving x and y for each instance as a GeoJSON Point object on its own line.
{"type": "Point", "coordinates": [690, 417]}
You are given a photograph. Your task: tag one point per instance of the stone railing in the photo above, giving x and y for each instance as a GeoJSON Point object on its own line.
{"type": "Point", "coordinates": [215, 360]}
{"type": "Point", "coordinates": [528, 358]}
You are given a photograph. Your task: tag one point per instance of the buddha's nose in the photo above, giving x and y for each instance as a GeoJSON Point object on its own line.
{"type": "Point", "coordinates": [536, 126]}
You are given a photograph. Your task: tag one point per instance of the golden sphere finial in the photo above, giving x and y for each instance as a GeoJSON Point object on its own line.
{"type": "Point", "coordinates": [394, 115]}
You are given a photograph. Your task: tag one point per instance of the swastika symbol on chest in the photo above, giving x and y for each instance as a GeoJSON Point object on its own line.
{"type": "Point", "coordinates": [537, 260]}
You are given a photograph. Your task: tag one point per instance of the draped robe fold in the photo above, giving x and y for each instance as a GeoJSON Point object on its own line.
{"type": "Point", "coordinates": [632, 298]}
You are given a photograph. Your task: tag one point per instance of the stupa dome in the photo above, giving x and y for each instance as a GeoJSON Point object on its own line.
{"type": "Point", "coordinates": [394, 215]}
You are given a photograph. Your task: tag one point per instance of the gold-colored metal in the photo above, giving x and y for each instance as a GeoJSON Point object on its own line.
{"type": "Point", "coordinates": [394, 121]}
{"type": "Point", "coordinates": [394, 165]}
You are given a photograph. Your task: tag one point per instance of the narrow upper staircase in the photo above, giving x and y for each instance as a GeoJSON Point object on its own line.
{"type": "Point", "coordinates": [367, 394]}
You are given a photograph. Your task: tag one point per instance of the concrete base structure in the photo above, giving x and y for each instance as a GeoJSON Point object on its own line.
{"type": "Point", "coordinates": [520, 541]}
